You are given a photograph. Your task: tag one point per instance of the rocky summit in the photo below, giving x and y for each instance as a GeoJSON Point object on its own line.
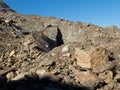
{"type": "Point", "coordinates": [46, 53]}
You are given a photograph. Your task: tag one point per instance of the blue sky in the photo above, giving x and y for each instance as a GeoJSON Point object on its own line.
{"type": "Point", "coordinates": [98, 12]}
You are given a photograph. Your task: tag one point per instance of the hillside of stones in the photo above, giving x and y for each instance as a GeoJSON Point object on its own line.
{"type": "Point", "coordinates": [47, 53]}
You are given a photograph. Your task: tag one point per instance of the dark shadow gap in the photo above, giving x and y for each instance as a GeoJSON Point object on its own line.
{"type": "Point", "coordinates": [35, 83]}
{"type": "Point", "coordinates": [46, 44]}
{"type": "Point", "coordinates": [59, 38]}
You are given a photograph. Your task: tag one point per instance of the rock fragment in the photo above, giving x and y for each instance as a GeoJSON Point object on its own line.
{"type": "Point", "coordinates": [107, 76]}
{"type": "Point", "coordinates": [10, 75]}
{"type": "Point", "coordinates": [12, 53]}
{"type": "Point", "coordinates": [105, 66]}
{"type": "Point", "coordinates": [87, 79]}
{"type": "Point", "coordinates": [98, 56]}
{"type": "Point", "coordinates": [48, 77]}
{"type": "Point", "coordinates": [19, 77]}
{"type": "Point", "coordinates": [83, 58]}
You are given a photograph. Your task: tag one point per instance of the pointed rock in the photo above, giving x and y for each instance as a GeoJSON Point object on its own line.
{"type": "Point", "coordinates": [4, 7]}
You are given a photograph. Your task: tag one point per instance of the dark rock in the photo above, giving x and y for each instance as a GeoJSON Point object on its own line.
{"type": "Point", "coordinates": [44, 43]}
{"type": "Point", "coordinates": [4, 7]}
{"type": "Point", "coordinates": [54, 34]}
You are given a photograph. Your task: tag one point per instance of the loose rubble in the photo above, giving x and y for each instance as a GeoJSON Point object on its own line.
{"type": "Point", "coordinates": [57, 54]}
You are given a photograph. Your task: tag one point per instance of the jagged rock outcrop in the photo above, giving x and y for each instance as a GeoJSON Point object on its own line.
{"type": "Point", "coordinates": [4, 8]}
{"type": "Point", "coordinates": [55, 54]}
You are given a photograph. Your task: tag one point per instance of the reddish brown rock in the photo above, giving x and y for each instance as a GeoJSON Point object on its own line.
{"type": "Point", "coordinates": [83, 58]}
{"type": "Point", "coordinates": [91, 58]}
{"type": "Point", "coordinates": [98, 57]}
{"type": "Point", "coordinates": [105, 66]}
{"type": "Point", "coordinates": [87, 79]}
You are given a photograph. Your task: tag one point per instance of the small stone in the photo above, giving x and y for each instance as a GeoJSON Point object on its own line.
{"type": "Point", "coordinates": [107, 76]}
{"type": "Point", "coordinates": [40, 72]}
{"type": "Point", "coordinates": [65, 48]}
{"type": "Point", "coordinates": [117, 77]}
{"type": "Point", "coordinates": [53, 54]}
{"type": "Point", "coordinates": [12, 53]}
{"type": "Point", "coordinates": [66, 55]}
{"type": "Point", "coordinates": [10, 75]}
{"type": "Point", "coordinates": [19, 77]}
{"type": "Point", "coordinates": [8, 44]}
{"type": "Point", "coordinates": [8, 20]}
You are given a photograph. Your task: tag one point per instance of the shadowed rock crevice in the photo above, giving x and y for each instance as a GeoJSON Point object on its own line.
{"type": "Point", "coordinates": [59, 38]}
{"type": "Point", "coordinates": [48, 38]}
{"type": "Point", "coordinates": [37, 83]}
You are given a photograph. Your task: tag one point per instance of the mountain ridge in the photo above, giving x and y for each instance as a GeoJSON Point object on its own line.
{"type": "Point", "coordinates": [4, 7]}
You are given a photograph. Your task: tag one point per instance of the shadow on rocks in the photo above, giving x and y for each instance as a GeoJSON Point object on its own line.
{"type": "Point", "coordinates": [35, 83]}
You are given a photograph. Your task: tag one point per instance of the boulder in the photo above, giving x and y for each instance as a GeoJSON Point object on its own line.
{"type": "Point", "coordinates": [83, 58]}
{"type": "Point", "coordinates": [98, 56]}
{"type": "Point", "coordinates": [91, 58]}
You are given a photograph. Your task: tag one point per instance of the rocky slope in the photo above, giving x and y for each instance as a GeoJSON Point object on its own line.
{"type": "Point", "coordinates": [46, 53]}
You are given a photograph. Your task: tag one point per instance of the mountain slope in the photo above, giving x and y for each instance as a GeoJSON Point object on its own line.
{"type": "Point", "coordinates": [46, 53]}
{"type": "Point", "coordinates": [4, 8]}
